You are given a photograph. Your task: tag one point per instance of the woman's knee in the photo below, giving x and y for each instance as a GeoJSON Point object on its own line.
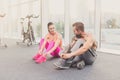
{"type": "Point", "coordinates": [41, 42]}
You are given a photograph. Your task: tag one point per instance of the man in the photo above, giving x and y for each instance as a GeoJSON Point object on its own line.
{"type": "Point", "coordinates": [50, 45]}
{"type": "Point", "coordinates": [81, 50]}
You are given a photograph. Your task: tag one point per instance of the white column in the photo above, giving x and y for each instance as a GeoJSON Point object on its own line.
{"type": "Point", "coordinates": [67, 20]}
{"type": "Point", "coordinates": [19, 10]}
{"type": "Point", "coordinates": [45, 16]}
{"type": "Point", "coordinates": [9, 20]}
{"type": "Point", "coordinates": [30, 7]}
{"type": "Point", "coordinates": [97, 21]}
{"type": "Point", "coordinates": [1, 19]}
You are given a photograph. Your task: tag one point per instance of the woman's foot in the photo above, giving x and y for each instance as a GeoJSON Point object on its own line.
{"type": "Point", "coordinates": [36, 56]}
{"type": "Point", "coordinates": [41, 59]}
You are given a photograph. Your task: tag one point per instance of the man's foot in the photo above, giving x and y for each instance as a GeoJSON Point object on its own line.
{"type": "Point", "coordinates": [63, 64]}
{"type": "Point", "coordinates": [80, 65]}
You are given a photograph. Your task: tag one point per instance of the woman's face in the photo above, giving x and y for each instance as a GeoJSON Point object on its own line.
{"type": "Point", "coordinates": [51, 29]}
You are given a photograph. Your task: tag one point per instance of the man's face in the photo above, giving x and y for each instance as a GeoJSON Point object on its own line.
{"type": "Point", "coordinates": [51, 29]}
{"type": "Point", "coordinates": [76, 32]}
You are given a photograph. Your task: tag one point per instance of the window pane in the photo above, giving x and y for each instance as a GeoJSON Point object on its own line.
{"type": "Point", "coordinates": [36, 22]}
{"type": "Point", "coordinates": [56, 14]}
{"type": "Point", "coordinates": [82, 11]}
{"type": "Point", "coordinates": [20, 9]}
{"type": "Point", "coordinates": [110, 24]}
{"type": "Point", "coordinates": [14, 2]}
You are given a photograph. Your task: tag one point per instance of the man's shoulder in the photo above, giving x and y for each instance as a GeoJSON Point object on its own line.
{"type": "Point", "coordinates": [90, 37]}
{"type": "Point", "coordinates": [89, 34]}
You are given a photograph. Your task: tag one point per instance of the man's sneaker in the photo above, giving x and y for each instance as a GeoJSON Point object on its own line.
{"type": "Point", "coordinates": [63, 64]}
{"type": "Point", "coordinates": [80, 65]}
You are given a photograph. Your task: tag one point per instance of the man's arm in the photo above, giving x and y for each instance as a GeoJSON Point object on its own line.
{"type": "Point", "coordinates": [95, 45]}
{"type": "Point", "coordinates": [69, 46]}
{"type": "Point", "coordinates": [87, 45]}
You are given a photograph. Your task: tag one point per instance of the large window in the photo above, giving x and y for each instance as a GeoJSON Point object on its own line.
{"type": "Point", "coordinates": [82, 11]}
{"type": "Point", "coordinates": [110, 24]}
{"type": "Point", "coordinates": [36, 11]}
{"type": "Point", "coordinates": [56, 14]}
{"type": "Point", "coordinates": [3, 21]}
{"type": "Point", "coordinates": [18, 9]}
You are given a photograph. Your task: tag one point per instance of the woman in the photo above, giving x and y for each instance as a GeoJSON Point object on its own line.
{"type": "Point", "coordinates": [50, 45]}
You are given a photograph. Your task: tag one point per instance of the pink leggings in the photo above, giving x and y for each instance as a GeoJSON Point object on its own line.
{"type": "Point", "coordinates": [50, 45]}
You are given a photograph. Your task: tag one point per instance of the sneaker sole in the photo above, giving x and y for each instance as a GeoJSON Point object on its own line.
{"type": "Point", "coordinates": [59, 67]}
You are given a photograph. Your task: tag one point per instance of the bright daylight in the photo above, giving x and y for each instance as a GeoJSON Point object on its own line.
{"type": "Point", "coordinates": [59, 39]}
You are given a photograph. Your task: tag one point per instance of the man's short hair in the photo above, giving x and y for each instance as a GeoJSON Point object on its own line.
{"type": "Point", "coordinates": [49, 24]}
{"type": "Point", "coordinates": [79, 26]}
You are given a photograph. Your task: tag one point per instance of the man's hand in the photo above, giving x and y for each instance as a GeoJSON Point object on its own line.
{"type": "Point", "coordinates": [66, 55]}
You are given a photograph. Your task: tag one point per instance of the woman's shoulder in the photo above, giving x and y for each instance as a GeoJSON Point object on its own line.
{"type": "Point", "coordinates": [59, 35]}
{"type": "Point", "coordinates": [47, 35]}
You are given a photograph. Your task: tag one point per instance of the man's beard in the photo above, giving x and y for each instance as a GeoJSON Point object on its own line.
{"type": "Point", "coordinates": [78, 36]}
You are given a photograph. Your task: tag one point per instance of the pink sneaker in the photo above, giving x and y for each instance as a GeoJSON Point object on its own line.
{"type": "Point", "coordinates": [41, 59]}
{"type": "Point", "coordinates": [36, 56]}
